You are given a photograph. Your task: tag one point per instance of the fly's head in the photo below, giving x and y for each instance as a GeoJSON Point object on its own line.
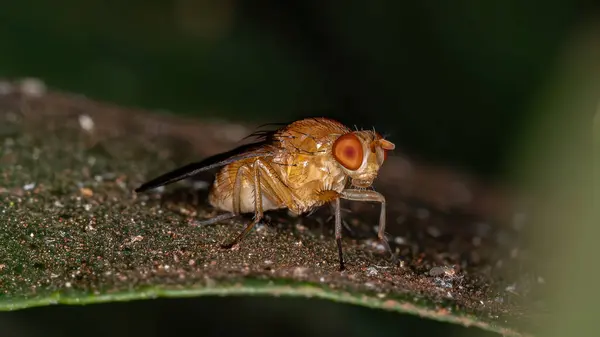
{"type": "Point", "coordinates": [361, 154]}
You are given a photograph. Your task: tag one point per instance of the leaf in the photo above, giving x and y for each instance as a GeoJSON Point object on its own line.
{"type": "Point", "coordinates": [73, 231]}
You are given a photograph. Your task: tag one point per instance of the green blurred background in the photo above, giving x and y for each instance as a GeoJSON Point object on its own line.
{"type": "Point", "coordinates": [449, 81]}
{"type": "Point", "coordinates": [481, 85]}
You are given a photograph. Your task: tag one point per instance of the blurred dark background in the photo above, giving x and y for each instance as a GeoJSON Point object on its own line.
{"type": "Point", "coordinates": [448, 82]}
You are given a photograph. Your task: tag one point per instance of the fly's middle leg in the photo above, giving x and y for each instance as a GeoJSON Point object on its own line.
{"type": "Point", "coordinates": [338, 231]}
{"type": "Point", "coordinates": [258, 208]}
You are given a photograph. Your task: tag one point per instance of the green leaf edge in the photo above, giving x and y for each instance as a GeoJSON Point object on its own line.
{"type": "Point", "coordinates": [258, 287]}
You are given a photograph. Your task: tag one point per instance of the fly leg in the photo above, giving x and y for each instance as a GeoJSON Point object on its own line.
{"type": "Point", "coordinates": [329, 196]}
{"type": "Point", "coordinates": [275, 187]}
{"type": "Point", "coordinates": [274, 190]}
{"type": "Point", "coordinates": [237, 187]}
{"type": "Point", "coordinates": [258, 209]}
{"type": "Point", "coordinates": [215, 219]}
{"type": "Point", "coordinates": [344, 223]}
{"type": "Point", "coordinates": [370, 195]}
{"type": "Point", "coordinates": [338, 231]}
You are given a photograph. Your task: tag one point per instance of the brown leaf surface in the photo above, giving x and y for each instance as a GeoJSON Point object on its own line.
{"type": "Point", "coordinates": [72, 227]}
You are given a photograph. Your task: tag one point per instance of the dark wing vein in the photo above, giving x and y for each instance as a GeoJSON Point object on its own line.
{"type": "Point", "coordinates": [266, 135]}
{"type": "Point", "coordinates": [241, 152]}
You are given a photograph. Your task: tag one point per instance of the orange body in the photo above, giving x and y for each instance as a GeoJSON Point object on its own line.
{"type": "Point", "coordinates": [301, 174]}
{"type": "Point", "coordinates": [303, 165]}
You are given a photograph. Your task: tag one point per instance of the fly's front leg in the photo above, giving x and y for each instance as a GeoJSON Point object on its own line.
{"type": "Point", "coordinates": [369, 195]}
{"type": "Point", "coordinates": [258, 209]}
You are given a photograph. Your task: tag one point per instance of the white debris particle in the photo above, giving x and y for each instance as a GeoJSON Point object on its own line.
{"type": "Point", "coordinates": [86, 122]}
{"type": "Point", "coordinates": [268, 262]}
{"type": "Point", "coordinates": [32, 87]}
{"type": "Point", "coordinates": [29, 187]}
{"type": "Point", "coordinates": [191, 262]}
{"type": "Point", "coordinates": [511, 288]}
{"type": "Point", "coordinates": [322, 279]}
{"type": "Point", "coordinates": [541, 280]}
{"type": "Point", "coordinates": [371, 271]}
{"type": "Point", "coordinates": [87, 207]}
{"type": "Point", "coordinates": [400, 240]}
{"type": "Point", "coordinates": [58, 204]}
{"type": "Point", "coordinates": [68, 284]}
{"type": "Point", "coordinates": [139, 238]}
{"type": "Point", "coordinates": [31, 234]}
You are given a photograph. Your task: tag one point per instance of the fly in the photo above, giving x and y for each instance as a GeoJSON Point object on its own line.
{"type": "Point", "coordinates": [301, 166]}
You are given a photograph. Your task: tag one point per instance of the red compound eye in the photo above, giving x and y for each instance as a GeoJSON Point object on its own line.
{"type": "Point", "coordinates": [348, 151]}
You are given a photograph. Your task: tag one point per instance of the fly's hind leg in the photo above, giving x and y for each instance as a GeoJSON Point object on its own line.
{"type": "Point", "coordinates": [258, 209]}
{"type": "Point", "coordinates": [215, 219]}
{"type": "Point", "coordinates": [370, 195]}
